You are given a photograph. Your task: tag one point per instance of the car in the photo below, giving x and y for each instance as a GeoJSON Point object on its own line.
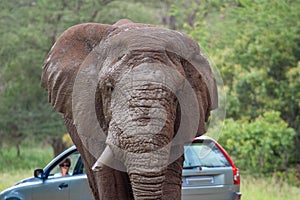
{"type": "Point", "coordinates": [208, 173]}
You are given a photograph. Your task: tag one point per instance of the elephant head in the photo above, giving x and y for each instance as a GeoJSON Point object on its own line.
{"type": "Point", "coordinates": [131, 95]}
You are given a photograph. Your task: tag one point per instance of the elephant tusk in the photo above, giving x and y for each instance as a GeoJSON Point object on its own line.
{"type": "Point", "coordinates": [106, 157]}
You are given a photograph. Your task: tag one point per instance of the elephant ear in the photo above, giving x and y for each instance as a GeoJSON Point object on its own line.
{"type": "Point", "coordinates": [64, 60]}
{"type": "Point", "coordinates": [199, 74]}
{"type": "Point", "coordinates": [202, 80]}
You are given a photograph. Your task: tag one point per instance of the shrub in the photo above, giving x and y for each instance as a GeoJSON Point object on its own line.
{"type": "Point", "coordinates": [262, 145]}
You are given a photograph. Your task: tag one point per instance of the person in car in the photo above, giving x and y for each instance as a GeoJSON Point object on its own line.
{"type": "Point", "coordinates": [64, 167]}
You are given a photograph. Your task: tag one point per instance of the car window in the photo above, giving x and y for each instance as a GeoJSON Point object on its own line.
{"type": "Point", "coordinates": [204, 154]}
{"type": "Point", "coordinates": [79, 168]}
{"type": "Point", "coordinates": [76, 163]}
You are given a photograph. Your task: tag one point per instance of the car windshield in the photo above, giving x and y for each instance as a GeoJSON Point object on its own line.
{"type": "Point", "coordinates": [204, 153]}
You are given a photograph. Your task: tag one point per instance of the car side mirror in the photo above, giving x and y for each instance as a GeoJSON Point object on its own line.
{"type": "Point", "coordinates": [38, 173]}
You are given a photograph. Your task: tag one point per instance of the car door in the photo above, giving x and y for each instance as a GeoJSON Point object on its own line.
{"type": "Point", "coordinates": [52, 188]}
{"type": "Point", "coordinates": [79, 186]}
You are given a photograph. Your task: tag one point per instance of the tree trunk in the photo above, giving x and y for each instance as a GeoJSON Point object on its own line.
{"type": "Point", "coordinates": [18, 150]}
{"type": "Point", "coordinates": [172, 22]}
{"type": "Point", "coordinates": [58, 146]}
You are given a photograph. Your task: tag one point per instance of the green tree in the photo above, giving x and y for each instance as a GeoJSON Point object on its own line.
{"type": "Point", "coordinates": [137, 11]}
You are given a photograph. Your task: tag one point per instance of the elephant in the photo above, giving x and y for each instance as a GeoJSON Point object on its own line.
{"type": "Point", "coordinates": [131, 95]}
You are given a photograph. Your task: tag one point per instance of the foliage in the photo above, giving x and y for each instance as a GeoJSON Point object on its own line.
{"type": "Point", "coordinates": [262, 145]}
{"type": "Point", "coordinates": [255, 45]}
{"type": "Point", "coordinates": [67, 140]}
{"type": "Point", "coordinates": [135, 11]}
{"type": "Point", "coordinates": [254, 54]}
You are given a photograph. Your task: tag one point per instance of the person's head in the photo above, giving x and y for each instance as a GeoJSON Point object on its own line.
{"type": "Point", "coordinates": [65, 166]}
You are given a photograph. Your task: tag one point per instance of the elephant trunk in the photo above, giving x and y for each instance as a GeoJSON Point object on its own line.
{"type": "Point", "coordinates": [142, 127]}
{"type": "Point", "coordinates": [148, 147]}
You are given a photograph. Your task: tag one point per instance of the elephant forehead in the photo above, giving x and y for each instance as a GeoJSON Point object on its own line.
{"type": "Point", "coordinates": [132, 47]}
{"type": "Point", "coordinates": [140, 67]}
{"type": "Point", "coordinates": [151, 38]}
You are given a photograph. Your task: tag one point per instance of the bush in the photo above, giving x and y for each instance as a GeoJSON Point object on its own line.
{"type": "Point", "coordinates": [263, 145]}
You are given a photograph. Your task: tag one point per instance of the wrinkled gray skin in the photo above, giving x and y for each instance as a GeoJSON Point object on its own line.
{"type": "Point", "coordinates": [141, 75]}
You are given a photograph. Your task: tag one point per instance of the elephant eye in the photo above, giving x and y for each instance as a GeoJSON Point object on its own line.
{"type": "Point", "coordinates": [109, 87]}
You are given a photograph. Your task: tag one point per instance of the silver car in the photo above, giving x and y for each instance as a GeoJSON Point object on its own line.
{"type": "Point", "coordinates": [208, 173]}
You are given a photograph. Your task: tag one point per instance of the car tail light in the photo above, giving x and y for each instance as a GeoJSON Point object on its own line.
{"type": "Point", "coordinates": [236, 175]}
{"type": "Point", "coordinates": [235, 170]}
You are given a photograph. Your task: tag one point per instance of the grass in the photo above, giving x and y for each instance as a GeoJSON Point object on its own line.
{"type": "Point", "coordinates": [31, 157]}
{"type": "Point", "coordinates": [267, 189]}
{"type": "Point", "coordinates": [7, 179]}
{"type": "Point", "coordinates": [14, 169]}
